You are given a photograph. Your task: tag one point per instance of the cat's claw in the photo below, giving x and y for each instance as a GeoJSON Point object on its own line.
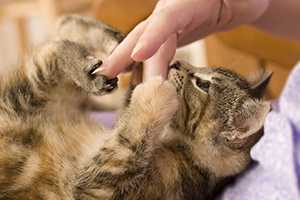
{"type": "Point", "coordinates": [102, 85]}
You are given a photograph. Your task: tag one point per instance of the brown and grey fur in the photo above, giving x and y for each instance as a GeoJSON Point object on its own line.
{"type": "Point", "coordinates": [174, 140]}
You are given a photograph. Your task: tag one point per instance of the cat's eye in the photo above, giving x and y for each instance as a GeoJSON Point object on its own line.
{"type": "Point", "coordinates": [203, 84]}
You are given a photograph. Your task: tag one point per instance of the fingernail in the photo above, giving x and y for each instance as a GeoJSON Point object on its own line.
{"type": "Point", "coordinates": [103, 71]}
{"type": "Point", "coordinates": [136, 50]}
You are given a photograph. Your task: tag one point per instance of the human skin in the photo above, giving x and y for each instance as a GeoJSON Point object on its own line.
{"type": "Point", "coordinates": [175, 23]}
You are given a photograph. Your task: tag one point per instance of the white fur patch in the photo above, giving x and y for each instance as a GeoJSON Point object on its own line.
{"type": "Point", "coordinates": [204, 77]}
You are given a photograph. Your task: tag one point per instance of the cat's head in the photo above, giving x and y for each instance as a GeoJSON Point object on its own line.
{"type": "Point", "coordinates": [219, 107]}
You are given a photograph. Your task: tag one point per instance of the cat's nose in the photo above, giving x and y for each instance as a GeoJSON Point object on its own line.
{"type": "Point", "coordinates": [175, 65]}
{"type": "Point", "coordinates": [181, 65]}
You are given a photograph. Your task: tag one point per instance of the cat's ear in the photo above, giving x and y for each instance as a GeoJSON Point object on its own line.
{"type": "Point", "coordinates": [251, 118]}
{"type": "Point", "coordinates": [259, 88]}
{"type": "Point", "coordinates": [247, 124]}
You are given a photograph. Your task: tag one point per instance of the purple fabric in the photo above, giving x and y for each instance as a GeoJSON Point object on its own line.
{"type": "Point", "coordinates": [277, 175]}
{"type": "Point", "coordinates": [105, 118]}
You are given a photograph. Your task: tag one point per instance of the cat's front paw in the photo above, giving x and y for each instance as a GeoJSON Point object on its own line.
{"type": "Point", "coordinates": [99, 84]}
{"type": "Point", "coordinates": [73, 65]}
{"type": "Point", "coordinates": [156, 98]}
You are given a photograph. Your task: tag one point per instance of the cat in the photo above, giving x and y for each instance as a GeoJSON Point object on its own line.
{"type": "Point", "coordinates": [176, 139]}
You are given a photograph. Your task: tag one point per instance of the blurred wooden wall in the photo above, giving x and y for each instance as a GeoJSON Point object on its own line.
{"type": "Point", "coordinates": [21, 13]}
{"type": "Point", "coordinates": [123, 14]}
{"type": "Point", "coordinates": [250, 51]}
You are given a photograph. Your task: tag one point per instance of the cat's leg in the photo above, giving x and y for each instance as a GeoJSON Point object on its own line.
{"type": "Point", "coordinates": [37, 156]}
{"type": "Point", "coordinates": [124, 167]}
{"type": "Point", "coordinates": [55, 71]}
{"type": "Point", "coordinates": [33, 163]}
{"type": "Point", "coordinates": [99, 38]}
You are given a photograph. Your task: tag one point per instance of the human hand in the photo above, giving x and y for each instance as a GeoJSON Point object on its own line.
{"type": "Point", "coordinates": [174, 23]}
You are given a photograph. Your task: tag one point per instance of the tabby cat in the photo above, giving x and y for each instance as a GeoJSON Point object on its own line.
{"type": "Point", "coordinates": [176, 139]}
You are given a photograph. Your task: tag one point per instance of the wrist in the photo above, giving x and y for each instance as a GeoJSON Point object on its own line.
{"type": "Point", "coordinates": [237, 12]}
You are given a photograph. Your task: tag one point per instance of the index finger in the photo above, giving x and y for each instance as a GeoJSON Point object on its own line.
{"type": "Point", "coordinates": [120, 58]}
{"type": "Point", "coordinates": [160, 27]}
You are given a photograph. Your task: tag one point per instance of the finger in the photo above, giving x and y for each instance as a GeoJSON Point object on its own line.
{"type": "Point", "coordinates": [194, 35]}
{"type": "Point", "coordinates": [120, 58]}
{"type": "Point", "coordinates": [158, 64]}
{"type": "Point", "coordinates": [159, 5]}
{"type": "Point", "coordinates": [161, 25]}
{"type": "Point", "coordinates": [204, 27]}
